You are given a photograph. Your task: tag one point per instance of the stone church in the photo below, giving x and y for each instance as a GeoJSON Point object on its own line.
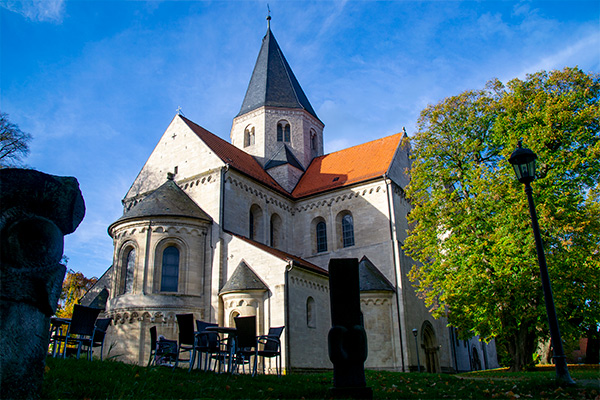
{"type": "Point", "coordinates": [247, 227]}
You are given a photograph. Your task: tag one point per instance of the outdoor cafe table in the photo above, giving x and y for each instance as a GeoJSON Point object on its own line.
{"type": "Point", "coordinates": [55, 325]}
{"type": "Point", "coordinates": [231, 333]}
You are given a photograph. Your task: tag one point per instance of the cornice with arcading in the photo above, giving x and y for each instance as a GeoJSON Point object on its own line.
{"type": "Point", "coordinates": [176, 227]}
{"type": "Point", "coordinates": [294, 280]}
{"type": "Point", "coordinates": [336, 198]}
{"type": "Point", "coordinates": [259, 194]}
{"type": "Point", "coordinates": [235, 303]}
{"type": "Point", "coordinates": [165, 315]}
{"type": "Point", "coordinates": [205, 178]}
{"type": "Point", "coordinates": [375, 301]}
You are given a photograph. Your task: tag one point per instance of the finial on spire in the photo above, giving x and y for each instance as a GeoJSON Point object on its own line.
{"type": "Point", "coordinates": [268, 17]}
{"type": "Point", "coordinates": [179, 111]}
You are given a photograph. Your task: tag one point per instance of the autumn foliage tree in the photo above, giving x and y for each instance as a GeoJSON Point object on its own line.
{"type": "Point", "coordinates": [74, 287]}
{"type": "Point", "coordinates": [470, 227]}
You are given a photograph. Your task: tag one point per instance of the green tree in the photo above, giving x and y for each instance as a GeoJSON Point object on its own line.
{"type": "Point", "coordinates": [74, 287]}
{"type": "Point", "coordinates": [470, 227]}
{"type": "Point", "coordinates": [14, 143]}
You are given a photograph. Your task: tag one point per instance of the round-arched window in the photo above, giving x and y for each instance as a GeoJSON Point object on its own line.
{"type": "Point", "coordinates": [170, 270]}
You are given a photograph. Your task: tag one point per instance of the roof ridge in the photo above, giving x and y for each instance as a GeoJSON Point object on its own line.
{"type": "Point", "coordinates": [255, 170]}
{"type": "Point", "coordinates": [358, 145]}
{"type": "Point", "coordinates": [284, 256]}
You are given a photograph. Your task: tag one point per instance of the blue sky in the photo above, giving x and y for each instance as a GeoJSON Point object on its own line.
{"type": "Point", "coordinates": [97, 82]}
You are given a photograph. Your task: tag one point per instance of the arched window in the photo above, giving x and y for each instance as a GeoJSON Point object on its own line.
{"type": "Point", "coordinates": [347, 230]}
{"type": "Point", "coordinates": [170, 270]}
{"type": "Point", "coordinates": [313, 140]}
{"type": "Point", "coordinates": [311, 313]}
{"type": "Point", "coordinates": [255, 230]}
{"type": "Point", "coordinates": [283, 131]}
{"type": "Point", "coordinates": [275, 231]}
{"type": "Point", "coordinates": [321, 235]}
{"type": "Point", "coordinates": [249, 136]}
{"type": "Point", "coordinates": [129, 268]}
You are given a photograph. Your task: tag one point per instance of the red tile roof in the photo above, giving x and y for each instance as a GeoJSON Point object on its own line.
{"type": "Point", "coordinates": [283, 255]}
{"type": "Point", "coordinates": [346, 167]}
{"type": "Point", "coordinates": [236, 158]}
{"type": "Point", "coordinates": [331, 171]}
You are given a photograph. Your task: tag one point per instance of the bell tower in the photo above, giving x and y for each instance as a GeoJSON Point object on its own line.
{"type": "Point", "coordinates": [276, 123]}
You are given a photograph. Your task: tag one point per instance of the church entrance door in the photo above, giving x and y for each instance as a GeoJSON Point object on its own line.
{"type": "Point", "coordinates": [431, 348]}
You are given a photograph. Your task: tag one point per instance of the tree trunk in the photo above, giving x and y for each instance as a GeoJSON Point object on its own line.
{"type": "Point", "coordinates": [521, 347]}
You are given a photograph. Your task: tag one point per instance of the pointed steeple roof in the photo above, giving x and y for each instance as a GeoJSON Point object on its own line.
{"type": "Point", "coordinates": [168, 201]}
{"type": "Point", "coordinates": [273, 83]}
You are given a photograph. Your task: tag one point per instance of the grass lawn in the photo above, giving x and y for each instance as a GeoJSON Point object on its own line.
{"type": "Point", "coordinates": [82, 379]}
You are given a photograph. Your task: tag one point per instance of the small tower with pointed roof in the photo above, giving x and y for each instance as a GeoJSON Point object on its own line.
{"type": "Point", "coordinates": [276, 123]}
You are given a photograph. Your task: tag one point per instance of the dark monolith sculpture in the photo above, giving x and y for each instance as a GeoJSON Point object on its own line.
{"type": "Point", "coordinates": [347, 337]}
{"type": "Point", "coordinates": [36, 211]}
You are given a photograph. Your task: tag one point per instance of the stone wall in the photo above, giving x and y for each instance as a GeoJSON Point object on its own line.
{"type": "Point", "coordinates": [308, 324]}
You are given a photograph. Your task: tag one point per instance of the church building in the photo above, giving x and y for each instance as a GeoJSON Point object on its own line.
{"type": "Point", "coordinates": [247, 228]}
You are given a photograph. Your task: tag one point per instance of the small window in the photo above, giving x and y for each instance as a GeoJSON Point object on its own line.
{"type": "Point", "coordinates": [311, 314]}
{"type": "Point", "coordinates": [313, 140]}
{"type": "Point", "coordinates": [283, 131]}
{"type": "Point", "coordinates": [249, 136]}
{"type": "Point", "coordinates": [170, 270]}
{"type": "Point", "coordinates": [321, 237]}
{"type": "Point", "coordinates": [347, 230]}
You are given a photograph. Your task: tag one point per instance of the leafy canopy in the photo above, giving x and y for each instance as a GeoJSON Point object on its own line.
{"type": "Point", "coordinates": [470, 226]}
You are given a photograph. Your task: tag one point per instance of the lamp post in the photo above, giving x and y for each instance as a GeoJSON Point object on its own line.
{"type": "Point", "coordinates": [414, 331]}
{"type": "Point", "coordinates": [523, 162]}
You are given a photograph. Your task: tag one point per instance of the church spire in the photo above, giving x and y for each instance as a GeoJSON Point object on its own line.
{"type": "Point", "coordinates": [273, 84]}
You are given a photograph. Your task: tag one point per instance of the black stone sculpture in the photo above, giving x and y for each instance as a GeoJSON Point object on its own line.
{"type": "Point", "coordinates": [37, 210]}
{"type": "Point", "coordinates": [347, 337]}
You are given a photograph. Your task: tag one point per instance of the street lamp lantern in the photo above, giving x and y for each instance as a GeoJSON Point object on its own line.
{"type": "Point", "coordinates": [523, 162]}
{"type": "Point", "coordinates": [414, 331]}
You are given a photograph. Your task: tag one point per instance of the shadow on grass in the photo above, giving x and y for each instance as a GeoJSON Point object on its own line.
{"type": "Point", "coordinates": [82, 379]}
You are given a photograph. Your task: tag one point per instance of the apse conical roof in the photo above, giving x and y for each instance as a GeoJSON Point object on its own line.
{"type": "Point", "coordinates": [371, 279]}
{"type": "Point", "coordinates": [169, 201]}
{"type": "Point", "coordinates": [243, 278]}
{"type": "Point", "coordinates": [273, 83]}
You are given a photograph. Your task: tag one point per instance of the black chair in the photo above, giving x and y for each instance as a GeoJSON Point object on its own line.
{"type": "Point", "coordinates": [271, 347]}
{"type": "Point", "coordinates": [153, 337]}
{"type": "Point", "coordinates": [245, 341]}
{"type": "Point", "coordinates": [99, 334]}
{"type": "Point", "coordinates": [186, 337]}
{"type": "Point", "coordinates": [166, 352]}
{"type": "Point", "coordinates": [58, 333]}
{"type": "Point", "coordinates": [81, 329]}
{"type": "Point", "coordinates": [206, 343]}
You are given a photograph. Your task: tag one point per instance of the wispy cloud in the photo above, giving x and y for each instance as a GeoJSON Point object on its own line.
{"type": "Point", "coordinates": [586, 47]}
{"type": "Point", "coordinates": [38, 10]}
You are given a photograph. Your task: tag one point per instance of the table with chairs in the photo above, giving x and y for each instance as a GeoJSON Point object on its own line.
{"type": "Point", "coordinates": [210, 347]}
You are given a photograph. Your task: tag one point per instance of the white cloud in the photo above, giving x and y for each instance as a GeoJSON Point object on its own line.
{"type": "Point", "coordinates": [38, 10]}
